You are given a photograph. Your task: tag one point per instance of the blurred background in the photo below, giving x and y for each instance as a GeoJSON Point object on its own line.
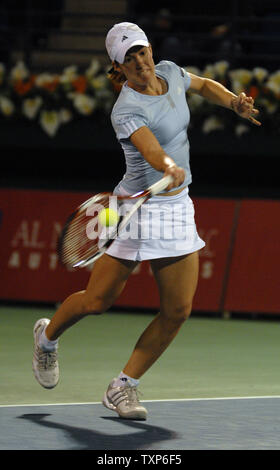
{"type": "Point", "coordinates": [56, 134]}
{"type": "Point", "coordinates": [50, 51]}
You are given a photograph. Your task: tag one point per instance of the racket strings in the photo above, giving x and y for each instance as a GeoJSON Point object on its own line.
{"type": "Point", "coordinates": [82, 234]}
{"type": "Point", "coordinates": [83, 237]}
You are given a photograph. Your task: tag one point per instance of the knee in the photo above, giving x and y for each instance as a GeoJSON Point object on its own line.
{"type": "Point", "coordinates": [175, 316]}
{"type": "Point", "coordinates": [182, 312]}
{"type": "Point", "coordinates": [93, 305]}
{"type": "Point", "coordinates": [185, 311]}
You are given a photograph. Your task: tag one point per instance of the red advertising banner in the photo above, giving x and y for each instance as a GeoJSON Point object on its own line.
{"type": "Point", "coordinates": [253, 284]}
{"type": "Point", "coordinates": [215, 220]}
{"type": "Point", "coordinates": [30, 223]}
{"type": "Point", "coordinates": [32, 220]}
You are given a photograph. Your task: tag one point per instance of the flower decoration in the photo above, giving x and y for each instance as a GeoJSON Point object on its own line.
{"type": "Point", "coordinates": [50, 122]}
{"type": "Point", "coordinates": [263, 86]}
{"type": "Point", "coordinates": [31, 106]}
{"type": "Point", "coordinates": [6, 106]}
{"type": "Point", "coordinates": [54, 100]}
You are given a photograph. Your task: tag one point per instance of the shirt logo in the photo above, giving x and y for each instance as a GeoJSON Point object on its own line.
{"type": "Point", "coordinates": [124, 38]}
{"type": "Point", "coordinates": [179, 90]}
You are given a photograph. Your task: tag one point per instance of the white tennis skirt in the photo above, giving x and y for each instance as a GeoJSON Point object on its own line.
{"type": "Point", "coordinates": [163, 227]}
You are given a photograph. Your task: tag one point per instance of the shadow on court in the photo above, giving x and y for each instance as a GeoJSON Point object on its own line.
{"type": "Point", "coordinates": [89, 439]}
{"type": "Point", "coordinates": [251, 423]}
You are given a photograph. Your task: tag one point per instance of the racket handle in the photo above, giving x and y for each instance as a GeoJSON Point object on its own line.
{"type": "Point", "coordinates": [161, 185]}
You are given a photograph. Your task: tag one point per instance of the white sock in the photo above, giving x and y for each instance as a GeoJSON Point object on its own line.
{"type": "Point", "coordinates": [45, 344]}
{"type": "Point", "coordinates": [124, 379]}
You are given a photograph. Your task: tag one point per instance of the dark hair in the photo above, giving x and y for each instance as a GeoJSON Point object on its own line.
{"type": "Point", "coordinates": [134, 49]}
{"type": "Point", "coordinates": [116, 78]}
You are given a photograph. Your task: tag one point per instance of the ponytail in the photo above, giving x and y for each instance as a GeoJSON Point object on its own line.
{"type": "Point", "coordinates": [116, 78]}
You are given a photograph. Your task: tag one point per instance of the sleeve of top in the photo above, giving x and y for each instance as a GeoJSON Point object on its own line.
{"type": "Point", "coordinates": [126, 124]}
{"type": "Point", "coordinates": [186, 78]}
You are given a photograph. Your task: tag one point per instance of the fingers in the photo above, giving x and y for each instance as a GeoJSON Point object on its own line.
{"type": "Point", "coordinates": [242, 97]}
{"type": "Point", "coordinates": [254, 121]}
{"type": "Point", "coordinates": [253, 112]}
{"type": "Point", "coordinates": [240, 103]}
{"type": "Point", "coordinates": [244, 106]}
{"type": "Point", "coordinates": [178, 175]}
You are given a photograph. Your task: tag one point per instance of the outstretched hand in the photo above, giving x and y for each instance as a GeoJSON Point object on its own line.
{"type": "Point", "coordinates": [244, 106]}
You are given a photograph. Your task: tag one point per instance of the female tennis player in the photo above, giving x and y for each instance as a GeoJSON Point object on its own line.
{"type": "Point", "coordinates": [150, 118]}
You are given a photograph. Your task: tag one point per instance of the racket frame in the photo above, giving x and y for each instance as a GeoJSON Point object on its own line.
{"type": "Point", "coordinates": [140, 198]}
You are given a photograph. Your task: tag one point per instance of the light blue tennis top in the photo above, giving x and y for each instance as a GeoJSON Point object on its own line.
{"type": "Point", "coordinates": [167, 116]}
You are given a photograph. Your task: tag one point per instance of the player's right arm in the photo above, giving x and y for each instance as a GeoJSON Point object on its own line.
{"type": "Point", "coordinates": [149, 147]}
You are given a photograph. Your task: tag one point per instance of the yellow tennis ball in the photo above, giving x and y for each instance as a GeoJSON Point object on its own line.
{"type": "Point", "coordinates": [108, 217]}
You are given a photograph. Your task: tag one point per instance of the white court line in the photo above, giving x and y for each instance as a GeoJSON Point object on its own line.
{"type": "Point", "coordinates": [146, 401]}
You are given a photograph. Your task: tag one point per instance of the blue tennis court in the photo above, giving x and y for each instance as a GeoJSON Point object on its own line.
{"type": "Point", "coordinates": [216, 388]}
{"type": "Point", "coordinates": [251, 423]}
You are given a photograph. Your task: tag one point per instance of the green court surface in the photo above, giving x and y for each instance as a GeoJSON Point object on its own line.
{"type": "Point", "coordinates": [210, 358]}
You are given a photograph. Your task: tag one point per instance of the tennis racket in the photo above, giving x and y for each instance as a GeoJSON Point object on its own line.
{"type": "Point", "coordinates": [83, 239]}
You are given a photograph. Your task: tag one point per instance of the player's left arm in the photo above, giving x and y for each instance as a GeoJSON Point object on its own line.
{"type": "Point", "coordinates": [216, 93]}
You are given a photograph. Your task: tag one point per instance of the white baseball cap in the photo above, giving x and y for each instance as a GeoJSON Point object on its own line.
{"type": "Point", "coordinates": [123, 36]}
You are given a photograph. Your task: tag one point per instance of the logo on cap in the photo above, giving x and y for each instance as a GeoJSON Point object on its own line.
{"type": "Point", "coordinates": [124, 38]}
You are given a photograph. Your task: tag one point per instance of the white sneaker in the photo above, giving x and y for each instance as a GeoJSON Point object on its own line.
{"type": "Point", "coordinates": [45, 364]}
{"type": "Point", "coordinates": [124, 400]}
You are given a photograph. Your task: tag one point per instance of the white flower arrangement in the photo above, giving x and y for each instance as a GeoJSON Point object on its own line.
{"type": "Point", "coordinates": [31, 106]}
{"type": "Point", "coordinates": [7, 107]}
{"type": "Point", "coordinates": [263, 86]}
{"type": "Point", "coordinates": [50, 122]}
{"type": "Point", "coordinates": [54, 100]}
{"type": "Point", "coordinates": [19, 72]}
{"type": "Point", "coordinates": [212, 124]}
{"type": "Point", "coordinates": [260, 74]}
{"type": "Point", "coordinates": [84, 103]}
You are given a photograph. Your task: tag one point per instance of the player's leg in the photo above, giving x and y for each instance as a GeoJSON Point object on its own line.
{"type": "Point", "coordinates": [177, 281]}
{"type": "Point", "coordinates": [106, 282]}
